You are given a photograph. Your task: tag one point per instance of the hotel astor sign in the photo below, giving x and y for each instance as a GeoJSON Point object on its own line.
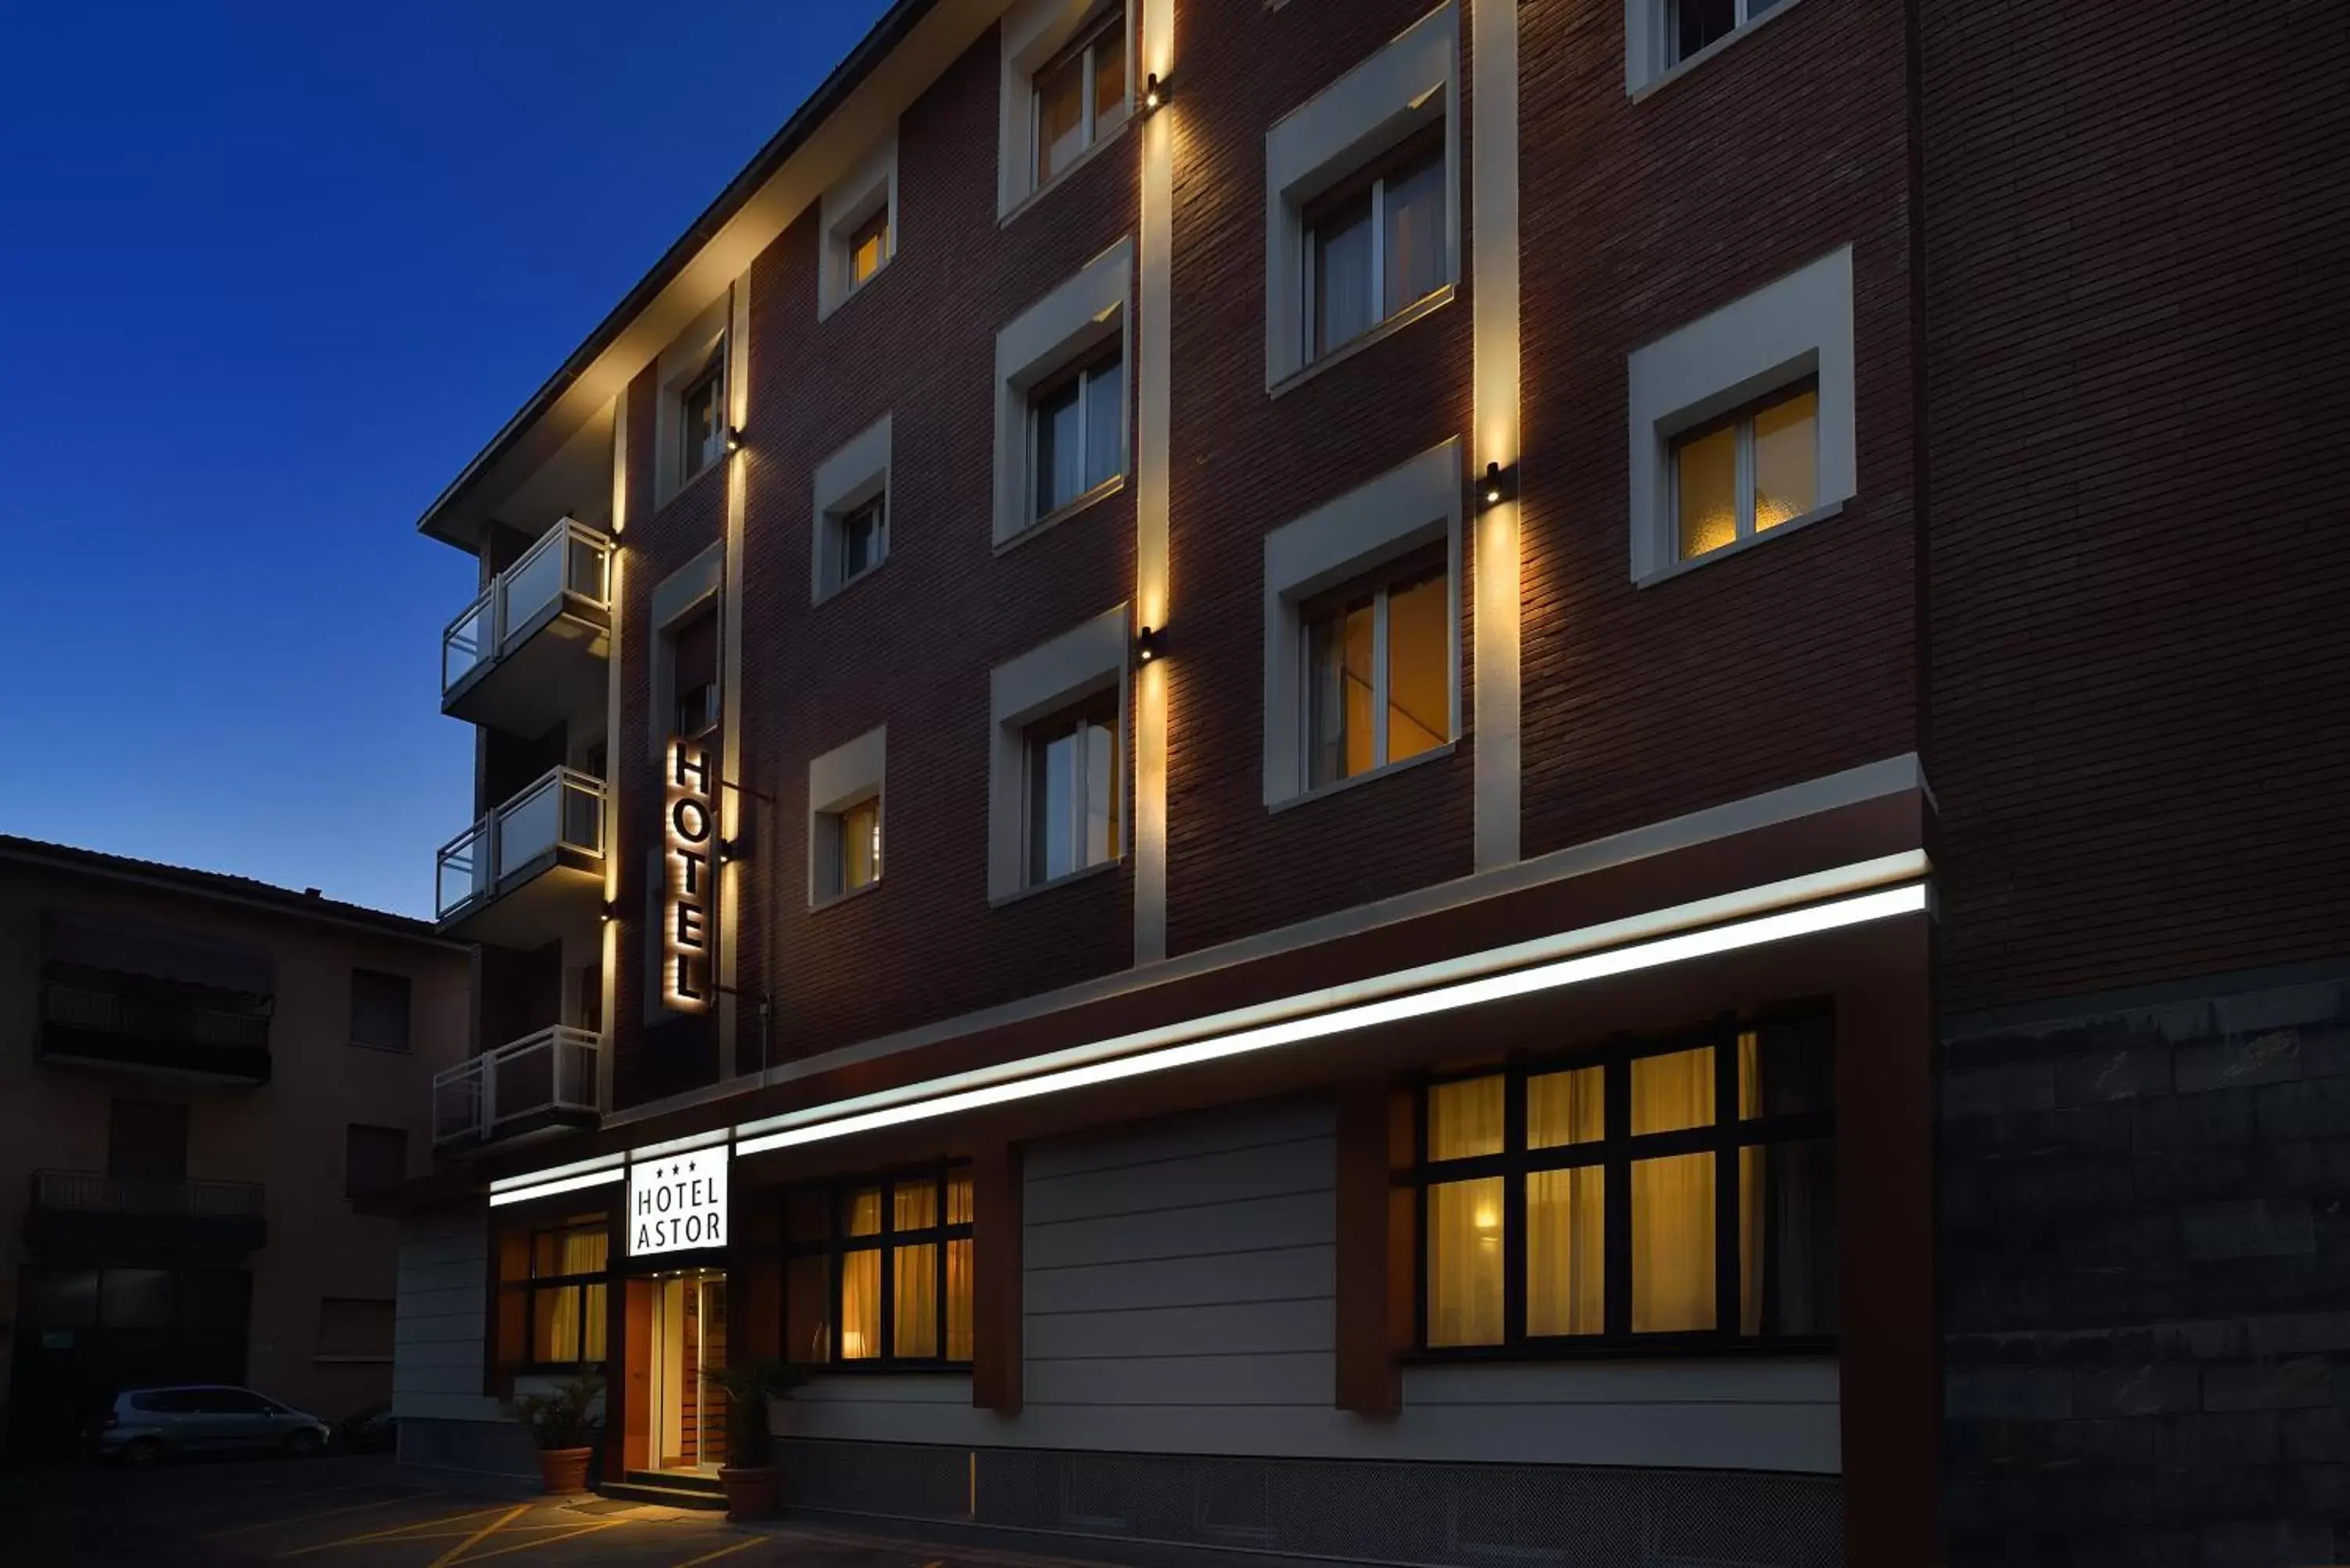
{"type": "Point", "coordinates": [689, 830]}
{"type": "Point", "coordinates": [678, 1202]}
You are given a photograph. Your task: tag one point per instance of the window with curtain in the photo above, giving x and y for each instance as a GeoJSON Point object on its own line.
{"type": "Point", "coordinates": [1748, 472]}
{"type": "Point", "coordinates": [1080, 95]}
{"type": "Point", "coordinates": [569, 1268]}
{"type": "Point", "coordinates": [1077, 434]}
{"type": "Point", "coordinates": [879, 1272]}
{"type": "Point", "coordinates": [1376, 244]}
{"type": "Point", "coordinates": [1650, 1193]}
{"type": "Point", "coordinates": [1378, 665]}
{"type": "Point", "coordinates": [1073, 794]}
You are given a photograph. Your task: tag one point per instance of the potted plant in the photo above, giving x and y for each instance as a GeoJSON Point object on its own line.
{"type": "Point", "coordinates": [750, 1482]}
{"type": "Point", "coordinates": [559, 1423]}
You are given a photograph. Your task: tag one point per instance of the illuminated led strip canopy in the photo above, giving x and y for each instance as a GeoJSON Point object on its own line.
{"type": "Point", "coordinates": [549, 1189]}
{"type": "Point", "coordinates": [1652, 954]}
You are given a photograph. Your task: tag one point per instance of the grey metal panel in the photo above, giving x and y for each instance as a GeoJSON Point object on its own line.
{"type": "Point", "coordinates": [1288, 1273]}
{"type": "Point", "coordinates": [1179, 1138]}
{"type": "Point", "coordinates": [1308, 1325]}
{"type": "Point", "coordinates": [1226, 1380]}
{"type": "Point", "coordinates": [915, 1388]}
{"type": "Point", "coordinates": [1306, 1165]}
{"type": "Point", "coordinates": [1292, 1221]}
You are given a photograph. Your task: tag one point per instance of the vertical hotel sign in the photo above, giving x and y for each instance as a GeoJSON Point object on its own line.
{"type": "Point", "coordinates": [689, 830]}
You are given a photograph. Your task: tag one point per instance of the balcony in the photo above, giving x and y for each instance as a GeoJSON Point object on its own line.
{"type": "Point", "coordinates": [540, 1083]}
{"type": "Point", "coordinates": [80, 1213]}
{"type": "Point", "coordinates": [530, 870]}
{"type": "Point", "coordinates": [166, 1029]}
{"type": "Point", "coordinates": [530, 652]}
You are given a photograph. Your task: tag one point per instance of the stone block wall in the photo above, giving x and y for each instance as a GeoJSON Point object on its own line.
{"type": "Point", "coordinates": [2146, 1276]}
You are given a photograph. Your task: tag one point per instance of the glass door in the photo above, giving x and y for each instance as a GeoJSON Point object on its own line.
{"type": "Point", "coordinates": [688, 1336]}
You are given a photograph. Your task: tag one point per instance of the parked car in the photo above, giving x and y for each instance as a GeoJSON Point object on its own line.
{"type": "Point", "coordinates": [148, 1425]}
{"type": "Point", "coordinates": [369, 1432]}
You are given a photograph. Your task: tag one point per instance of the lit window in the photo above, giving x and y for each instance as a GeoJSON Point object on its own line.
{"type": "Point", "coordinates": [856, 847]}
{"type": "Point", "coordinates": [1692, 25]}
{"type": "Point", "coordinates": [869, 247]}
{"type": "Point", "coordinates": [1077, 439]}
{"type": "Point", "coordinates": [1080, 96]}
{"type": "Point", "coordinates": [701, 416]}
{"type": "Point", "coordinates": [1749, 1108]}
{"type": "Point", "coordinates": [1073, 791]}
{"type": "Point", "coordinates": [1378, 672]}
{"type": "Point", "coordinates": [1749, 473]}
{"type": "Point", "coordinates": [1376, 246]}
{"type": "Point", "coordinates": [562, 1282]}
{"type": "Point", "coordinates": [880, 1271]}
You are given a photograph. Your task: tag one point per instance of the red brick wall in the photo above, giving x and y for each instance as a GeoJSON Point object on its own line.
{"type": "Point", "coordinates": [2139, 376]}
{"type": "Point", "coordinates": [1245, 463]}
{"type": "Point", "coordinates": [911, 646]}
{"type": "Point", "coordinates": [1795, 659]}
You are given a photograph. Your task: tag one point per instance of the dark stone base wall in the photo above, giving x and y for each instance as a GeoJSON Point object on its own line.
{"type": "Point", "coordinates": [2146, 1277]}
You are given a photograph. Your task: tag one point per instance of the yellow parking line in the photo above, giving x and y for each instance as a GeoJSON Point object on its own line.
{"type": "Point", "coordinates": [722, 1552]}
{"type": "Point", "coordinates": [490, 1528]}
{"type": "Point", "coordinates": [396, 1530]}
{"type": "Point", "coordinates": [534, 1545]}
{"type": "Point", "coordinates": [322, 1513]}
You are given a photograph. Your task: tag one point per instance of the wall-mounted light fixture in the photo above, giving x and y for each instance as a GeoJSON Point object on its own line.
{"type": "Point", "coordinates": [734, 438]}
{"type": "Point", "coordinates": [728, 850]}
{"type": "Point", "coordinates": [603, 915]}
{"type": "Point", "coordinates": [1154, 93]}
{"type": "Point", "coordinates": [1150, 645]}
{"type": "Point", "coordinates": [1498, 485]}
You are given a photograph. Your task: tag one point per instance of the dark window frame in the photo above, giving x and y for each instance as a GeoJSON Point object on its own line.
{"type": "Point", "coordinates": [533, 1284]}
{"type": "Point", "coordinates": [407, 985]}
{"type": "Point", "coordinates": [1615, 1153]}
{"type": "Point", "coordinates": [838, 1245]}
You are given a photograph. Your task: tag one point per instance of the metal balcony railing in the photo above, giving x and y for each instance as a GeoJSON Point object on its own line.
{"type": "Point", "coordinates": [568, 558]}
{"type": "Point", "coordinates": [562, 809]}
{"type": "Point", "coordinates": [105, 1011]}
{"type": "Point", "coordinates": [553, 1070]}
{"type": "Point", "coordinates": [87, 1192]}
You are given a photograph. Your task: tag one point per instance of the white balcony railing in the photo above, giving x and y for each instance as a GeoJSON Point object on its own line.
{"type": "Point", "coordinates": [562, 809]}
{"type": "Point", "coordinates": [554, 1069]}
{"type": "Point", "coordinates": [568, 558]}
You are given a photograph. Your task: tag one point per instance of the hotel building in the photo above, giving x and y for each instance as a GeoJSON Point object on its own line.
{"type": "Point", "coordinates": [1492, 783]}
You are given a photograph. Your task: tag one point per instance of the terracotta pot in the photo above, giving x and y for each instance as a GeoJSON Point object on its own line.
{"type": "Point", "coordinates": [564, 1469]}
{"type": "Point", "coordinates": [749, 1492]}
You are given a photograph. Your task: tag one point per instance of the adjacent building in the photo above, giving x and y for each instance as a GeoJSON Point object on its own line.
{"type": "Point", "coordinates": [1464, 784]}
{"type": "Point", "coordinates": [199, 1074]}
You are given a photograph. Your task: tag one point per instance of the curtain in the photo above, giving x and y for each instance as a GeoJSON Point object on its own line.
{"type": "Point", "coordinates": [554, 1325]}
{"type": "Point", "coordinates": [959, 1197]}
{"type": "Point", "coordinates": [865, 1212]}
{"type": "Point", "coordinates": [1464, 1262]}
{"type": "Point", "coordinates": [1465, 1119]}
{"type": "Point", "coordinates": [1100, 763]}
{"type": "Point", "coordinates": [1786, 1239]}
{"type": "Point", "coordinates": [1567, 1108]}
{"type": "Point", "coordinates": [1343, 307]}
{"type": "Point", "coordinates": [959, 1334]}
{"type": "Point", "coordinates": [914, 1205]}
{"type": "Point", "coordinates": [860, 1303]}
{"type": "Point", "coordinates": [1671, 1093]}
{"type": "Point", "coordinates": [1419, 672]}
{"type": "Point", "coordinates": [1705, 484]}
{"type": "Point", "coordinates": [1105, 423]}
{"type": "Point", "coordinates": [1566, 1250]}
{"type": "Point", "coordinates": [915, 1303]}
{"type": "Point", "coordinates": [1672, 1243]}
{"type": "Point", "coordinates": [1414, 204]}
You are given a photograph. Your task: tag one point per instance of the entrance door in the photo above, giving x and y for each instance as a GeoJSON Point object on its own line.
{"type": "Point", "coordinates": [688, 1416]}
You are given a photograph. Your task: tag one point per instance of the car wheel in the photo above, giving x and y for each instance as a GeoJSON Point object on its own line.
{"type": "Point", "coordinates": [143, 1454]}
{"type": "Point", "coordinates": [303, 1445]}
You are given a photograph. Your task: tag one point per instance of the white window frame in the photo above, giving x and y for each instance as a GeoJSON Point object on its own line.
{"type": "Point", "coordinates": [1399, 511]}
{"type": "Point", "coordinates": [840, 780]}
{"type": "Point", "coordinates": [870, 187]}
{"type": "Point", "coordinates": [1035, 33]}
{"type": "Point", "coordinates": [854, 475]}
{"type": "Point", "coordinates": [1067, 326]}
{"type": "Point", "coordinates": [1743, 473]}
{"type": "Point", "coordinates": [1795, 329]}
{"type": "Point", "coordinates": [680, 370]}
{"type": "Point", "coordinates": [1411, 83]}
{"type": "Point", "coordinates": [1380, 686]}
{"type": "Point", "coordinates": [1310, 253]}
{"type": "Point", "coordinates": [1082, 377]}
{"type": "Point", "coordinates": [1649, 40]}
{"type": "Point", "coordinates": [1081, 663]}
{"type": "Point", "coordinates": [1048, 727]}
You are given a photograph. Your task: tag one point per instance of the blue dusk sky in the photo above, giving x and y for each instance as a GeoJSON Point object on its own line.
{"type": "Point", "coordinates": [269, 276]}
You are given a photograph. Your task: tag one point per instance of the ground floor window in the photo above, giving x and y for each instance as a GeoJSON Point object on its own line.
{"type": "Point", "coordinates": [555, 1279]}
{"type": "Point", "coordinates": [880, 1271]}
{"type": "Point", "coordinates": [1656, 1193]}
